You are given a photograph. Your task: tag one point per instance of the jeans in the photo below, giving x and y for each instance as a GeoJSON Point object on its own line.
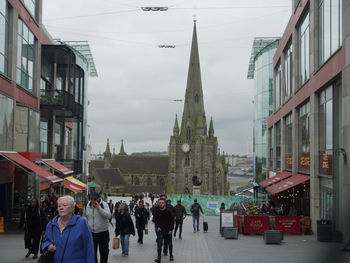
{"type": "Point", "coordinates": [195, 218]}
{"type": "Point", "coordinates": [168, 242]}
{"type": "Point", "coordinates": [124, 240]}
{"type": "Point", "coordinates": [178, 224]}
{"type": "Point", "coordinates": [102, 241]}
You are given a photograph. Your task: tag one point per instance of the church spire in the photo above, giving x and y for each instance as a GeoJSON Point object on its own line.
{"type": "Point", "coordinates": [194, 105]}
{"type": "Point", "coordinates": [122, 151]}
{"type": "Point", "coordinates": [211, 128]}
{"type": "Point", "coordinates": [176, 127]}
{"type": "Point", "coordinates": [107, 153]}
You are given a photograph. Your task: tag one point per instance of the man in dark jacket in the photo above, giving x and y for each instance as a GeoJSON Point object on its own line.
{"type": "Point", "coordinates": [164, 222]}
{"type": "Point", "coordinates": [141, 216]}
{"type": "Point", "coordinates": [180, 214]}
{"type": "Point", "coordinates": [195, 210]}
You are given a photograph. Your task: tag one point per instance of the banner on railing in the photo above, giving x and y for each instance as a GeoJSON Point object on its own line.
{"type": "Point", "coordinates": [256, 224]}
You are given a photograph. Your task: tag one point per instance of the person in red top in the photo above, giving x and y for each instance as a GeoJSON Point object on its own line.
{"type": "Point", "coordinates": [164, 222]}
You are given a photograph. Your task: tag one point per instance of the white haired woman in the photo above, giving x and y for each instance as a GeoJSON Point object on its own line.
{"type": "Point", "coordinates": [69, 235]}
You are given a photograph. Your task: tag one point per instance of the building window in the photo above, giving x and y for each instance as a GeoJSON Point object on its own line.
{"type": "Point", "coordinates": [25, 56]}
{"type": "Point", "coordinates": [188, 133]}
{"type": "Point", "coordinates": [271, 149]}
{"type": "Point", "coordinates": [34, 132]}
{"type": "Point", "coordinates": [278, 87]}
{"type": "Point", "coordinates": [187, 161]}
{"type": "Point", "coordinates": [329, 28]}
{"type": "Point", "coordinates": [304, 51]}
{"type": "Point", "coordinates": [137, 181]}
{"type": "Point", "coordinates": [21, 129]}
{"type": "Point", "coordinates": [326, 204]}
{"type": "Point", "coordinates": [30, 5]}
{"type": "Point", "coordinates": [278, 145]}
{"type": "Point", "coordinates": [58, 141]}
{"type": "Point", "coordinates": [288, 72]}
{"type": "Point", "coordinates": [6, 123]}
{"type": "Point", "coordinates": [161, 182]}
{"type": "Point", "coordinates": [43, 138]}
{"type": "Point", "coordinates": [326, 131]}
{"type": "Point", "coordinates": [289, 143]}
{"type": "Point", "coordinates": [4, 29]}
{"type": "Point", "coordinates": [68, 142]}
{"type": "Point", "coordinates": [304, 137]}
{"type": "Point", "coordinates": [149, 181]}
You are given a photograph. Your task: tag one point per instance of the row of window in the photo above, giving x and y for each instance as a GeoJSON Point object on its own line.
{"type": "Point", "coordinates": [329, 28]}
{"type": "Point", "coordinates": [136, 181]}
{"type": "Point", "coordinates": [325, 133]}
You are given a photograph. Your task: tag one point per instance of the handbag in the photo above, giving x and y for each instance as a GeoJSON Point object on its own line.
{"type": "Point", "coordinates": [115, 243]}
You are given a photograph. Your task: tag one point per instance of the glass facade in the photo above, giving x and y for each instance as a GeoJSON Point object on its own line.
{"type": "Point", "coordinates": [6, 123]}
{"type": "Point", "coordinates": [304, 128]}
{"type": "Point", "coordinates": [278, 145]}
{"type": "Point", "coordinates": [263, 104]}
{"type": "Point", "coordinates": [25, 56]}
{"type": "Point", "coordinates": [30, 5]}
{"type": "Point", "coordinates": [4, 29]}
{"type": "Point", "coordinates": [329, 28]}
{"type": "Point", "coordinates": [278, 86]}
{"type": "Point", "coordinates": [304, 51]}
{"type": "Point", "coordinates": [288, 72]}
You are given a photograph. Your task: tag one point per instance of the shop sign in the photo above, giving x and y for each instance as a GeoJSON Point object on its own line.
{"type": "Point", "coordinates": [212, 204]}
{"type": "Point", "coordinates": [227, 219]}
{"type": "Point", "coordinates": [304, 162]}
{"type": "Point", "coordinates": [326, 163]}
{"type": "Point", "coordinates": [256, 224]}
{"type": "Point", "coordinates": [288, 224]}
{"type": "Point", "coordinates": [288, 161]}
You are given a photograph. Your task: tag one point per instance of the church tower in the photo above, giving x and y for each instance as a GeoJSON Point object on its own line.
{"type": "Point", "coordinates": [107, 155]}
{"type": "Point", "coordinates": [193, 151]}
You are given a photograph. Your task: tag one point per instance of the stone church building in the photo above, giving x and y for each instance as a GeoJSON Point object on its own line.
{"type": "Point", "coordinates": [192, 153]}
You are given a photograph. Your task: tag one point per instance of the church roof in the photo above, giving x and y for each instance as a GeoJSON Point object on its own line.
{"type": "Point", "coordinates": [109, 176]}
{"type": "Point", "coordinates": [129, 164]}
{"type": "Point", "coordinates": [97, 164]}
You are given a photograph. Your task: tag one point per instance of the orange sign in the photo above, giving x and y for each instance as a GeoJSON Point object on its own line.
{"type": "Point", "coordinates": [289, 161]}
{"type": "Point", "coordinates": [304, 162]}
{"type": "Point", "coordinates": [326, 163]}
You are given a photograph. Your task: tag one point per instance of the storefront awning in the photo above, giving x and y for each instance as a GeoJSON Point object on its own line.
{"type": "Point", "coordinates": [93, 185]}
{"type": "Point", "coordinates": [76, 182]}
{"type": "Point", "coordinates": [275, 179]}
{"type": "Point", "coordinates": [29, 166]}
{"type": "Point", "coordinates": [72, 187]}
{"type": "Point", "coordinates": [288, 183]}
{"type": "Point", "coordinates": [56, 166]}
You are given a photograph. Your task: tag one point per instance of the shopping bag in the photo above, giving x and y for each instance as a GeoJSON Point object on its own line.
{"type": "Point", "coordinates": [115, 243]}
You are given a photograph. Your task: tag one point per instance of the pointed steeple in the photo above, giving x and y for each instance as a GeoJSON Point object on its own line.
{"type": "Point", "coordinates": [107, 153]}
{"type": "Point", "coordinates": [122, 151]}
{"type": "Point", "coordinates": [113, 153]}
{"type": "Point", "coordinates": [176, 127]}
{"type": "Point", "coordinates": [211, 128]}
{"type": "Point", "coordinates": [194, 105]}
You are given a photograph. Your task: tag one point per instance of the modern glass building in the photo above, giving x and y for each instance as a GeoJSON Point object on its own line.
{"type": "Point", "coordinates": [261, 70]}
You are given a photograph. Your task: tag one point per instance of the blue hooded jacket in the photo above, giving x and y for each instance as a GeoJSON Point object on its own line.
{"type": "Point", "coordinates": [79, 248]}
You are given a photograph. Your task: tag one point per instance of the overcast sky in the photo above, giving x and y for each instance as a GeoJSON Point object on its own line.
{"type": "Point", "coordinates": [132, 98]}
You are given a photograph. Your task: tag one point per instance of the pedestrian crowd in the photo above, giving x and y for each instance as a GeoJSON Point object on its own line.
{"type": "Point", "coordinates": [63, 232]}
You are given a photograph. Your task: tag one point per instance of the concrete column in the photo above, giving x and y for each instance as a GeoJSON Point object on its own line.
{"type": "Point", "coordinates": [295, 154]}
{"type": "Point", "coordinates": [314, 161]}
{"type": "Point", "coordinates": [346, 121]}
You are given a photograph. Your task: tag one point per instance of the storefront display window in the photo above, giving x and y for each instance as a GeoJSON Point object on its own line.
{"type": "Point", "coordinates": [326, 200]}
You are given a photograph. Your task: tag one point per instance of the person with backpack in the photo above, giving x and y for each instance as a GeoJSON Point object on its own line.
{"type": "Point", "coordinates": [195, 210]}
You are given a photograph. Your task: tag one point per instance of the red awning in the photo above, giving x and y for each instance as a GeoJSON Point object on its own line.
{"type": "Point", "coordinates": [72, 187]}
{"type": "Point", "coordinates": [57, 166]}
{"type": "Point", "coordinates": [26, 164]}
{"type": "Point", "coordinates": [288, 183]}
{"type": "Point", "coordinates": [275, 179]}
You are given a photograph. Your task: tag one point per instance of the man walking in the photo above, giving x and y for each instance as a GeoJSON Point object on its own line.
{"type": "Point", "coordinates": [98, 214]}
{"type": "Point", "coordinates": [195, 210]}
{"type": "Point", "coordinates": [111, 207]}
{"type": "Point", "coordinates": [180, 215]}
{"type": "Point", "coordinates": [164, 222]}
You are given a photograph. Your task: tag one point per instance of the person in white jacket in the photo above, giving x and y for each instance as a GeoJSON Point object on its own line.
{"type": "Point", "coordinates": [98, 214]}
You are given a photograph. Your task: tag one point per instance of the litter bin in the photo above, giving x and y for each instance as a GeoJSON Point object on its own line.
{"type": "Point", "coordinates": [324, 230]}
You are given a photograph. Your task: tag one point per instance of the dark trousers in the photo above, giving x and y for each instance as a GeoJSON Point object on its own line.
{"type": "Point", "coordinates": [32, 241]}
{"type": "Point", "coordinates": [168, 242]}
{"type": "Point", "coordinates": [178, 223]}
{"type": "Point", "coordinates": [140, 234]}
{"type": "Point", "coordinates": [102, 241]}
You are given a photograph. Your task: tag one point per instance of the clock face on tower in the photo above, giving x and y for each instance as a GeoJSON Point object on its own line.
{"type": "Point", "coordinates": [185, 147]}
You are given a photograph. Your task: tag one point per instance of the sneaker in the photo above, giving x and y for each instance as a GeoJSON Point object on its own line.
{"type": "Point", "coordinates": [180, 237]}
{"type": "Point", "coordinates": [171, 258]}
{"type": "Point", "coordinates": [28, 254]}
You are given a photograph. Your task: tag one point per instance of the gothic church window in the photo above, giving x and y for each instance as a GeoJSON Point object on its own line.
{"type": "Point", "coordinates": [137, 181]}
{"type": "Point", "coordinates": [149, 181]}
{"type": "Point", "coordinates": [196, 98]}
{"type": "Point", "coordinates": [161, 182]}
{"type": "Point", "coordinates": [187, 161]}
{"type": "Point", "coordinates": [188, 133]}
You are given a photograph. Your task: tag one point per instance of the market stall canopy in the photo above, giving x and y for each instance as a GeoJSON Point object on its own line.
{"type": "Point", "coordinates": [56, 166]}
{"type": "Point", "coordinates": [277, 178]}
{"type": "Point", "coordinates": [93, 185]}
{"type": "Point", "coordinates": [29, 166]}
{"type": "Point", "coordinates": [288, 183]}
{"type": "Point", "coordinates": [76, 182]}
{"type": "Point", "coordinates": [72, 187]}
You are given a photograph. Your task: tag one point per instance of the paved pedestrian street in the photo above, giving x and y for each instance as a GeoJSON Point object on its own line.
{"type": "Point", "coordinates": [206, 248]}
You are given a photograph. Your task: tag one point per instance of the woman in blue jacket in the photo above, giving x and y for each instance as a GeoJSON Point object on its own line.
{"type": "Point", "coordinates": [69, 235]}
